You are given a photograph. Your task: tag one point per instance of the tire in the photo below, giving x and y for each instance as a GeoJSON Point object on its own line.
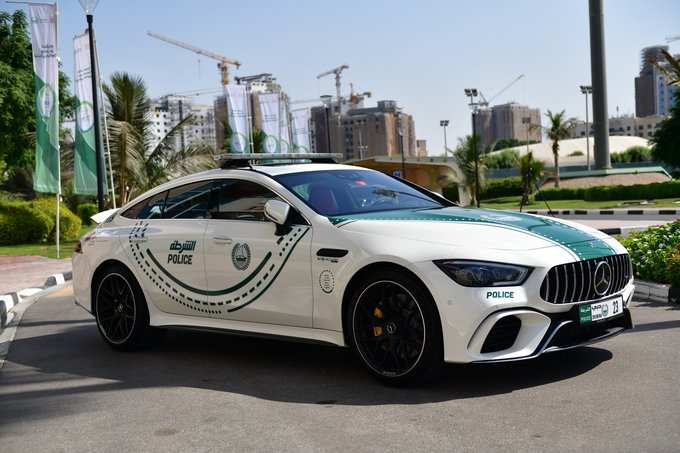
{"type": "Point", "coordinates": [120, 309]}
{"type": "Point", "coordinates": [395, 329]}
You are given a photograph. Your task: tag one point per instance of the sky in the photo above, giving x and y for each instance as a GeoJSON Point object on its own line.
{"type": "Point", "coordinates": [420, 53]}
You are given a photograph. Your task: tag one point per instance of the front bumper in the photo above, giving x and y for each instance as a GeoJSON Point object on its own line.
{"type": "Point", "coordinates": [565, 332]}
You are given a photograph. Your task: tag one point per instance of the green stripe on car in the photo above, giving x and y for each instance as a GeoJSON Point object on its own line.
{"type": "Point", "coordinates": [583, 245]}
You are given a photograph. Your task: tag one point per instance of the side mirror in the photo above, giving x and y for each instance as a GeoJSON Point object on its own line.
{"type": "Point", "coordinates": [278, 211]}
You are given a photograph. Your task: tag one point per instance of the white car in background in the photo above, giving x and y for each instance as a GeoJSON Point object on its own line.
{"type": "Point", "coordinates": [352, 257]}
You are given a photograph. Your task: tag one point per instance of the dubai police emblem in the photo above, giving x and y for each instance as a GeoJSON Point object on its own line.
{"type": "Point", "coordinates": [240, 256]}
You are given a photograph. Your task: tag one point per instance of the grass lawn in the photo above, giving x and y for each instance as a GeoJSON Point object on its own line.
{"type": "Point", "coordinates": [513, 203]}
{"type": "Point", "coordinates": [48, 250]}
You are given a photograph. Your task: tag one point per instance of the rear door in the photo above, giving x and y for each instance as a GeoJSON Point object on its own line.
{"type": "Point", "coordinates": [167, 247]}
{"type": "Point", "coordinates": [254, 274]}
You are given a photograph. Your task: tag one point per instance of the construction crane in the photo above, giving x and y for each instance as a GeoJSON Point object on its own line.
{"type": "Point", "coordinates": [671, 39]}
{"type": "Point", "coordinates": [222, 61]}
{"type": "Point", "coordinates": [335, 71]}
{"type": "Point", "coordinates": [485, 102]}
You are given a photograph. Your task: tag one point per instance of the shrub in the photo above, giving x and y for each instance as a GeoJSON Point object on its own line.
{"type": "Point", "coordinates": [69, 223]}
{"type": "Point", "coordinates": [577, 152]}
{"type": "Point", "coordinates": [655, 253]}
{"type": "Point", "coordinates": [635, 153]}
{"type": "Point", "coordinates": [22, 223]}
{"type": "Point", "coordinates": [85, 211]}
{"type": "Point", "coordinates": [504, 187]}
{"type": "Point", "coordinates": [504, 159]}
{"type": "Point", "coordinates": [667, 189]}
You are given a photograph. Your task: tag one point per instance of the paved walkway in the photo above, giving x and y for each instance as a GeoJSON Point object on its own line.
{"type": "Point", "coordinates": [19, 272]}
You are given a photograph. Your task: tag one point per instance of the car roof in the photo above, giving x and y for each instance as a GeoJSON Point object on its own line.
{"type": "Point", "coordinates": [269, 170]}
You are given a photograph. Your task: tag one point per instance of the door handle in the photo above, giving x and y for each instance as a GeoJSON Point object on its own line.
{"type": "Point", "coordinates": [222, 239]}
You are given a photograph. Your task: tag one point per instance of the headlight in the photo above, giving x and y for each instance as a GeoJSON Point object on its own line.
{"type": "Point", "coordinates": [483, 274]}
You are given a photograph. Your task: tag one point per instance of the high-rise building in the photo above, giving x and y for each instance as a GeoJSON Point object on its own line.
{"type": "Point", "coordinates": [506, 121]}
{"type": "Point", "coordinates": [653, 95]}
{"type": "Point", "coordinates": [363, 132]}
{"type": "Point", "coordinates": [167, 111]}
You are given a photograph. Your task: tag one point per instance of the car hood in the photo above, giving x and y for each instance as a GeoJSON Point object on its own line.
{"type": "Point", "coordinates": [483, 228]}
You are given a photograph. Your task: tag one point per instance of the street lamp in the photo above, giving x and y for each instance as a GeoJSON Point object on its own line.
{"type": "Point", "coordinates": [586, 90]}
{"type": "Point", "coordinates": [400, 131]}
{"type": "Point", "coordinates": [444, 124]}
{"type": "Point", "coordinates": [89, 6]}
{"type": "Point", "coordinates": [472, 93]}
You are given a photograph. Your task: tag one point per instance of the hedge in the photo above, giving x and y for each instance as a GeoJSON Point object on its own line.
{"type": "Point", "coordinates": [33, 221]}
{"type": "Point", "coordinates": [85, 211]}
{"type": "Point", "coordinates": [667, 189]}
{"type": "Point", "coordinates": [504, 187]}
{"type": "Point", "coordinates": [655, 253]}
{"type": "Point", "coordinates": [21, 223]}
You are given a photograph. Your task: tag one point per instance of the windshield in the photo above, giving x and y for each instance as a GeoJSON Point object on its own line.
{"type": "Point", "coordinates": [343, 192]}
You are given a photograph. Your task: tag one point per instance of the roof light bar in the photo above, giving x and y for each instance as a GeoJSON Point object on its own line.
{"type": "Point", "coordinates": [232, 160]}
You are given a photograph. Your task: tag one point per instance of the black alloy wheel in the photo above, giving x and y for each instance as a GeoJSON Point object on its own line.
{"type": "Point", "coordinates": [394, 330]}
{"type": "Point", "coordinates": [120, 309]}
{"type": "Point", "coordinates": [116, 310]}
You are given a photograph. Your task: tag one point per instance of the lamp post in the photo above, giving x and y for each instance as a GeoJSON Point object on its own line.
{"type": "Point", "coordinates": [444, 124]}
{"type": "Point", "coordinates": [586, 90]}
{"type": "Point", "coordinates": [89, 6]}
{"type": "Point", "coordinates": [472, 93]}
{"type": "Point", "coordinates": [400, 131]}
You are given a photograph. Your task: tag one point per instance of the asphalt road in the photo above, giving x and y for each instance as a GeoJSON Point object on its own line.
{"type": "Point", "coordinates": [63, 389]}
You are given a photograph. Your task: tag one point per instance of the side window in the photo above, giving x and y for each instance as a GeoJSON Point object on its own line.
{"type": "Point", "coordinates": [240, 200]}
{"type": "Point", "coordinates": [151, 208]}
{"type": "Point", "coordinates": [188, 202]}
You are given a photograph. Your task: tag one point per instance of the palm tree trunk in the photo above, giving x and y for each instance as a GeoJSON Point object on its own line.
{"type": "Point", "coordinates": [556, 151]}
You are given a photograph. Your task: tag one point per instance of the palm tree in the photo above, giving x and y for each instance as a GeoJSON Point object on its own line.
{"type": "Point", "coordinates": [531, 171]}
{"type": "Point", "coordinates": [559, 127]}
{"type": "Point", "coordinates": [671, 69]}
{"type": "Point", "coordinates": [464, 156]}
{"type": "Point", "coordinates": [138, 162]}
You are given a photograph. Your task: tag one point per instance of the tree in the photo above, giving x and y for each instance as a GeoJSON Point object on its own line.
{"type": "Point", "coordinates": [531, 172]}
{"type": "Point", "coordinates": [17, 93]}
{"type": "Point", "coordinates": [464, 156]}
{"type": "Point", "coordinates": [511, 143]}
{"type": "Point", "coordinates": [507, 158]}
{"type": "Point", "coordinates": [666, 140]}
{"type": "Point", "coordinates": [559, 128]}
{"type": "Point", "coordinates": [140, 163]}
{"type": "Point", "coordinates": [671, 68]}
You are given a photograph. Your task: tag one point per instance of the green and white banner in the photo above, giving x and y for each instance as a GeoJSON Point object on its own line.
{"type": "Point", "coordinates": [270, 109]}
{"type": "Point", "coordinates": [85, 159]}
{"type": "Point", "coordinates": [284, 141]}
{"type": "Point", "coordinates": [301, 141]}
{"type": "Point", "coordinates": [43, 20]}
{"type": "Point", "coordinates": [239, 121]}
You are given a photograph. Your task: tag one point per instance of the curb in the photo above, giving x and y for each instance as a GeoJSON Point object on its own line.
{"type": "Point", "coordinates": [657, 292]}
{"type": "Point", "coordinates": [607, 212]}
{"type": "Point", "coordinates": [10, 300]}
{"type": "Point", "coordinates": [624, 231]}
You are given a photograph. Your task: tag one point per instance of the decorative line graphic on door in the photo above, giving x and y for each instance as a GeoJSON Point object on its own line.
{"type": "Point", "coordinates": [213, 302]}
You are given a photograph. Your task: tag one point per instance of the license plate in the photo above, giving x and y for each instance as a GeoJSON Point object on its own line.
{"type": "Point", "coordinates": [600, 310]}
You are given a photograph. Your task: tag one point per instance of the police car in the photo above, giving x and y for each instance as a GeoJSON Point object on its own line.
{"type": "Point", "coordinates": [309, 249]}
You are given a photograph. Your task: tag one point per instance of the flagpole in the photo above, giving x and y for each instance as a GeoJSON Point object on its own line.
{"type": "Point", "coordinates": [106, 126]}
{"type": "Point", "coordinates": [56, 6]}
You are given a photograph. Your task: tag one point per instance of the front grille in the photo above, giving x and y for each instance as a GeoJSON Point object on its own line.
{"type": "Point", "coordinates": [575, 282]}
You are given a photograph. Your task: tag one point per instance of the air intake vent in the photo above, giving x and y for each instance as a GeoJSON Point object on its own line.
{"type": "Point", "coordinates": [586, 280]}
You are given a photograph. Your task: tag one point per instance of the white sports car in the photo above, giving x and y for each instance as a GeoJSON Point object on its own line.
{"type": "Point", "coordinates": [353, 257]}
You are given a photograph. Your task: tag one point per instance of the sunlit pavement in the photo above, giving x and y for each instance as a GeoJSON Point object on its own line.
{"type": "Point", "coordinates": [63, 389]}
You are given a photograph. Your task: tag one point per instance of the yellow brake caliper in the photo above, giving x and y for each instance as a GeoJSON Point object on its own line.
{"type": "Point", "coordinates": [377, 330]}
